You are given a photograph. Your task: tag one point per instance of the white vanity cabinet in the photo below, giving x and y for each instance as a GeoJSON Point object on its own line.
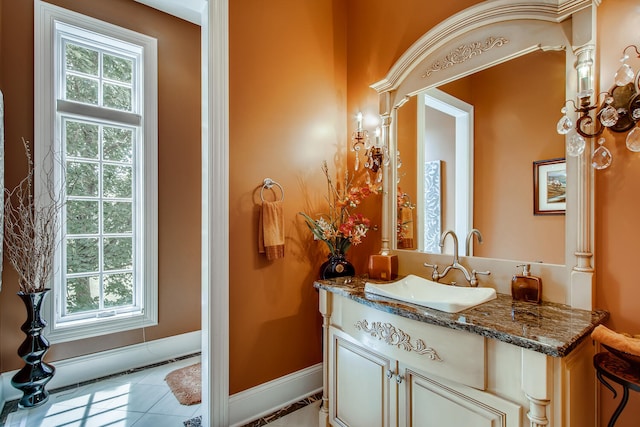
{"type": "Point", "coordinates": [371, 389]}
{"type": "Point", "coordinates": [384, 369]}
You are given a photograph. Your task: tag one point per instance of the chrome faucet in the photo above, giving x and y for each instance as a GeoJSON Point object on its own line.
{"type": "Point", "coordinates": [470, 276]}
{"type": "Point", "coordinates": [467, 250]}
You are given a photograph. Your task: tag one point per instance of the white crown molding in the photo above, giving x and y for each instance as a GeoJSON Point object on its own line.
{"type": "Point", "coordinates": [189, 10]}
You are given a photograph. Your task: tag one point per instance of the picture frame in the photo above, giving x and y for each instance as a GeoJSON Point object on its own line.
{"type": "Point", "coordinates": [550, 187]}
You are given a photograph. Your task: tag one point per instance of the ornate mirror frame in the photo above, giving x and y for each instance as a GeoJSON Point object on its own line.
{"type": "Point", "coordinates": [477, 38]}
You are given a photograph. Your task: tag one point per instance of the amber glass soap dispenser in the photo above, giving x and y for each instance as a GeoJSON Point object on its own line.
{"type": "Point", "coordinates": [525, 287]}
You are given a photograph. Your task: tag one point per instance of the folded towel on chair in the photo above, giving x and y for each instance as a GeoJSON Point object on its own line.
{"type": "Point", "coordinates": [616, 340]}
{"type": "Point", "coordinates": [271, 230]}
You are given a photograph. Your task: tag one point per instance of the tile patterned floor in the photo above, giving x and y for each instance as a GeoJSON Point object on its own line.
{"type": "Point", "coordinates": [139, 398]}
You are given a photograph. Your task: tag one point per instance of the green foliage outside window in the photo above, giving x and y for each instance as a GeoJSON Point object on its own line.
{"type": "Point", "coordinates": [118, 290]}
{"type": "Point", "coordinates": [80, 297]}
{"type": "Point", "coordinates": [99, 184]}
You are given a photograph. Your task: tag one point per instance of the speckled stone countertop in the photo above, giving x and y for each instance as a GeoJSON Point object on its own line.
{"type": "Point", "coordinates": [549, 328]}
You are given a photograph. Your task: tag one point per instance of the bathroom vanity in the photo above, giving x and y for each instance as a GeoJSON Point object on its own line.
{"type": "Point", "coordinates": [501, 363]}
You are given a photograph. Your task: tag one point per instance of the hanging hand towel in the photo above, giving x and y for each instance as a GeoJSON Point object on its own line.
{"type": "Point", "coordinates": [406, 230]}
{"type": "Point", "coordinates": [271, 230]}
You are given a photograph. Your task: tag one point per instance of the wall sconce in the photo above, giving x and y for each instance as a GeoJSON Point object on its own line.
{"type": "Point", "coordinates": [619, 111]}
{"type": "Point", "coordinates": [376, 155]}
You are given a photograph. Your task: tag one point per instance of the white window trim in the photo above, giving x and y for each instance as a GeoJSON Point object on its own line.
{"type": "Point", "coordinates": [44, 128]}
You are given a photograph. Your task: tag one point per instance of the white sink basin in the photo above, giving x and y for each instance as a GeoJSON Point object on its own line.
{"type": "Point", "coordinates": [417, 290]}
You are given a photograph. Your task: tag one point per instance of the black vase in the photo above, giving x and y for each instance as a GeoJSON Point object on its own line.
{"type": "Point", "coordinates": [35, 374]}
{"type": "Point", "coordinates": [336, 266]}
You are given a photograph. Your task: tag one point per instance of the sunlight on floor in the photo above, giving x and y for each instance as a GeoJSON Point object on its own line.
{"type": "Point", "coordinates": [139, 399]}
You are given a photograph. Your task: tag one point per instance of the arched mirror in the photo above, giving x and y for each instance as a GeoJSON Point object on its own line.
{"type": "Point", "coordinates": [469, 113]}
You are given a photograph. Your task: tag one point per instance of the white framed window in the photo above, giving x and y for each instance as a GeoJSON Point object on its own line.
{"type": "Point", "coordinates": [96, 112]}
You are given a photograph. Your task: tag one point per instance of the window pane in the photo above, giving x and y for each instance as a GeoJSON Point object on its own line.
{"type": "Point", "coordinates": [82, 255]}
{"type": "Point", "coordinates": [82, 217]}
{"type": "Point", "coordinates": [82, 89]}
{"type": "Point", "coordinates": [118, 290]}
{"type": "Point", "coordinates": [81, 59]}
{"type": "Point", "coordinates": [117, 144]}
{"type": "Point", "coordinates": [82, 139]}
{"type": "Point", "coordinates": [83, 294]}
{"type": "Point", "coordinates": [82, 179]}
{"type": "Point", "coordinates": [118, 97]}
{"type": "Point", "coordinates": [117, 217]}
{"type": "Point", "coordinates": [118, 253]}
{"type": "Point", "coordinates": [118, 69]}
{"type": "Point", "coordinates": [118, 181]}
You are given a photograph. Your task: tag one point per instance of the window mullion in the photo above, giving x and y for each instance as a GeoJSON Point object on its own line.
{"type": "Point", "coordinates": [98, 113]}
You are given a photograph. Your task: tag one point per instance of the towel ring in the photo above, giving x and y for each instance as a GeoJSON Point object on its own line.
{"type": "Point", "coordinates": [268, 183]}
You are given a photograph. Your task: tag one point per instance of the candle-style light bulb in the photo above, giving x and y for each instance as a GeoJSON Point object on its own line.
{"type": "Point", "coordinates": [359, 119]}
{"type": "Point", "coordinates": [377, 137]}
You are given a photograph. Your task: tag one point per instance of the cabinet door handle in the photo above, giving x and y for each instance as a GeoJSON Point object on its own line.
{"type": "Point", "coordinates": [389, 373]}
{"type": "Point", "coordinates": [399, 378]}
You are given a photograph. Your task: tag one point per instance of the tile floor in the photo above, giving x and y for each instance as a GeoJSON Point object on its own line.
{"type": "Point", "coordinates": [138, 399]}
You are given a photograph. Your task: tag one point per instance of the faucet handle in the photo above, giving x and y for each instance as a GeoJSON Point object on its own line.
{"type": "Point", "coordinates": [484, 273]}
{"type": "Point", "coordinates": [435, 276]}
{"type": "Point", "coordinates": [474, 279]}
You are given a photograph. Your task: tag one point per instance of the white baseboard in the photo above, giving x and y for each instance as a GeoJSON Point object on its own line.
{"type": "Point", "coordinates": [84, 368]}
{"type": "Point", "coordinates": [267, 398]}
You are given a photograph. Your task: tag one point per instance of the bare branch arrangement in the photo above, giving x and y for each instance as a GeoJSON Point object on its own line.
{"type": "Point", "coordinates": [31, 229]}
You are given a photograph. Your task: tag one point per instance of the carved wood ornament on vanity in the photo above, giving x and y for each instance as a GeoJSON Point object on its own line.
{"type": "Point", "coordinates": [396, 337]}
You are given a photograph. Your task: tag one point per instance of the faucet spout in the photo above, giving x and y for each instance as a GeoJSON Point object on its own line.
{"type": "Point", "coordinates": [455, 243]}
{"type": "Point", "coordinates": [475, 231]}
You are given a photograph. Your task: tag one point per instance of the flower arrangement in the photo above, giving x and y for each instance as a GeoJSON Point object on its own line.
{"type": "Point", "coordinates": [341, 227]}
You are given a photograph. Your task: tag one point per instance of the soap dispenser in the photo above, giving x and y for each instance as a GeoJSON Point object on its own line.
{"type": "Point", "coordinates": [525, 287]}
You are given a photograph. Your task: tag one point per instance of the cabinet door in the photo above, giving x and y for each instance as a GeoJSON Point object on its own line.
{"type": "Point", "coordinates": [360, 392]}
{"type": "Point", "coordinates": [426, 402]}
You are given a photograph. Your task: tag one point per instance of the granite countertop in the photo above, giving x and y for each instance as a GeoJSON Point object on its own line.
{"type": "Point", "coordinates": [549, 328]}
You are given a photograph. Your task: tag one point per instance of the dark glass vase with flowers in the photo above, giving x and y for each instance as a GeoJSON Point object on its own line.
{"type": "Point", "coordinates": [336, 266]}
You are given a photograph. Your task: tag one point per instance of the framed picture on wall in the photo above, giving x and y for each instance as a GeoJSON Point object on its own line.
{"type": "Point", "coordinates": [550, 187]}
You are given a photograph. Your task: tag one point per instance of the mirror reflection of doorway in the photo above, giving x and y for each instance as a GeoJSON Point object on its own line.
{"type": "Point", "coordinates": [445, 186]}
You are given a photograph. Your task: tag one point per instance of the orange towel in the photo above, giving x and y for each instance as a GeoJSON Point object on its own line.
{"type": "Point", "coordinates": [271, 230]}
{"type": "Point", "coordinates": [616, 340]}
{"type": "Point", "coordinates": [406, 232]}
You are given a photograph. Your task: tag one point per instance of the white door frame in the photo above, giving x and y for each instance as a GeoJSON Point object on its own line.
{"type": "Point", "coordinates": [215, 214]}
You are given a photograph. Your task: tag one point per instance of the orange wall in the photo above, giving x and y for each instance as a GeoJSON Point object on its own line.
{"type": "Point", "coordinates": [179, 165]}
{"type": "Point", "coordinates": [287, 114]}
{"type": "Point", "coordinates": [617, 229]}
